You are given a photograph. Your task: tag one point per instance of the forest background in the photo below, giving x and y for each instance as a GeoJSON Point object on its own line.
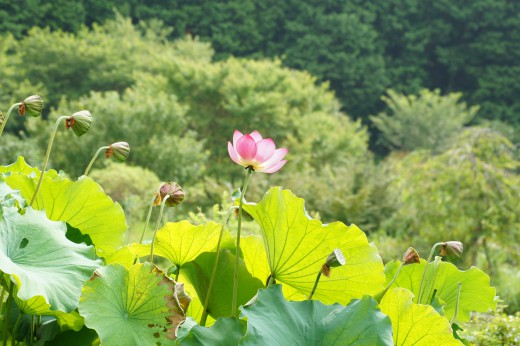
{"type": "Point", "coordinates": [401, 116]}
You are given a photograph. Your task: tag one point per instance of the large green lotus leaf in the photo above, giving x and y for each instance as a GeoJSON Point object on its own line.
{"type": "Point", "coordinates": [224, 332]}
{"type": "Point", "coordinates": [38, 306]}
{"type": "Point", "coordinates": [182, 242]}
{"type": "Point", "coordinates": [255, 257]}
{"type": "Point", "coordinates": [42, 261]}
{"type": "Point", "coordinates": [196, 306]}
{"type": "Point", "coordinates": [297, 247]}
{"type": "Point", "coordinates": [198, 273]}
{"type": "Point", "coordinates": [82, 204]}
{"type": "Point", "coordinates": [442, 278]}
{"type": "Point", "coordinates": [271, 320]}
{"type": "Point", "coordinates": [415, 324]}
{"type": "Point", "coordinates": [139, 305]}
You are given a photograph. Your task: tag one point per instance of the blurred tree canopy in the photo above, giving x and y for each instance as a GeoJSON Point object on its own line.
{"type": "Point", "coordinates": [360, 47]}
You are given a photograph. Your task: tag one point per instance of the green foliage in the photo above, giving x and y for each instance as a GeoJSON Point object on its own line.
{"type": "Point", "coordinates": [33, 247]}
{"type": "Point", "coordinates": [73, 202]}
{"type": "Point", "coordinates": [130, 186]}
{"type": "Point", "coordinates": [493, 329]}
{"type": "Point", "coordinates": [330, 324]}
{"type": "Point", "coordinates": [427, 121]}
{"type": "Point", "coordinates": [469, 192]}
{"type": "Point", "coordinates": [297, 247]}
{"type": "Point", "coordinates": [441, 281]}
{"type": "Point", "coordinates": [143, 305]}
{"type": "Point", "coordinates": [415, 324]}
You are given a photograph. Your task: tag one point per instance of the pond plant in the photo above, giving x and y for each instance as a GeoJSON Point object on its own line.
{"type": "Point", "coordinates": [67, 278]}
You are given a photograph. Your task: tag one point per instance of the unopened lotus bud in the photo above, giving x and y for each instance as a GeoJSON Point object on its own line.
{"type": "Point", "coordinates": [175, 193]}
{"type": "Point", "coordinates": [411, 256]}
{"type": "Point", "coordinates": [452, 248]}
{"type": "Point", "coordinates": [32, 106]}
{"type": "Point", "coordinates": [119, 150]}
{"type": "Point", "coordinates": [336, 259]}
{"type": "Point", "coordinates": [79, 122]}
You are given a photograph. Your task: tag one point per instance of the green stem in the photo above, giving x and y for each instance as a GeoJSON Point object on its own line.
{"type": "Point", "coordinates": [419, 296]}
{"type": "Point", "coordinates": [146, 224]}
{"type": "Point", "coordinates": [213, 274]}
{"type": "Point", "coordinates": [157, 226]}
{"type": "Point", "coordinates": [270, 281]}
{"type": "Point", "coordinates": [8, 313]}
{"type": "Point", "coordinates": [49, 147]}
{"type": "Point", "coordinates": [2, 298]}
{"type": "Point", "coordinates": [315, 284]}
{"type": "Point", "coordinates": [32, 329]}
{"type": "Point", "coordinates": [380, 295]}
{"type": "Point", "coordinates": [457, 305]}
{"type": "Point", "coordinates": [94, 159]}
{"type": "Point", "coordinates": [15, 329]}
{"type": "Point", "coordinates": [7, 116]}
{"type": "Point", "coordinates": [249, 171]}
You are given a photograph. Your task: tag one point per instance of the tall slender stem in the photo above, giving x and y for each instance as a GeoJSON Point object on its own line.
{"type": "Point", "coordinates": [213, 274]}
{"type": "Point", "coordinates": [315, 284]}
{"type": "Point", "coordinates": [419, 296]}
{"type": "Point", "coordinates": [8, 313]}
{"type": "Point", "coordinates": [249, 171]}
{"type": "Point", "coordinates": [457, 305]}
{"type": "Point", "coordinates": [94, 159]}
{"type": "Point", "coordinates": [380, 295]}
{"type": "Point", "coordinates": [7, 116]}
{"type": "Point", "coordinates": [49, 147]}
{"type": "Point", "coordinates": [147, 219]}
{"type": "Point", "coordinates": [15, 329]}
{"type": "Point", "coordinates": [157, 226]}
{"type": "Point", "coordinates": [2, 298]}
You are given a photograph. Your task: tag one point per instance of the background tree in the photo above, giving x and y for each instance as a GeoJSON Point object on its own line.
{"type": "Point", "coordinates": [426, 121]}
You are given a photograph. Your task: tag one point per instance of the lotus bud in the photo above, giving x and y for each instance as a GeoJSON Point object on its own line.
{"type": "Point", "coordinates": [335, 259]}
{"type": "Point", "coordinates": [411, 256]}
{"type": "Point", "coordinates": [173, 190]}
{"type": "Point", "coordinates": [120, 151]}
{"type": "Point", "coordinates": [452, 248]}
{"type": "Point", "coordinates": [32, 106]}
{"type": "Point", "coordinates": [80, 122]}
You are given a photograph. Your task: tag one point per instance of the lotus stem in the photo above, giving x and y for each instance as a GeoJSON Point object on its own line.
{"type": "Point", "coordinates": [7, 116]}
{"type": "Point", "coordinates": [213, 274]}
{"type": "Point", "coordinates": [249, 171]}
{"type": "Point", "coordinates": [94, 159]}
{"type": "Point", "coordinates": [457, 305]}
{"type": "Point", "coordinates": [315, 284]}
{"type": "Point", "coordinates": [8, 313]}
{"type": "Point", "coordinates": [270, 281]}
{"type": "Point", "coordinates": [380, 295]}
{"type": "Point", "coordinates": [49, 147]}
{"type": "Point", "coordinates": [15, 328]}
{"type": "Point", "coordinates": [419, 296]}
{"type": "Point", "coordinates": [157, 226]}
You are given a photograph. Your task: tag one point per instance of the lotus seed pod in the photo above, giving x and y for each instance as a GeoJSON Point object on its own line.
{"type": "Point", "coordinates": [411, 256]}
{"type": "Point", "coordinates": [119, 150]}
{"type": "Point", "coordinates": [173, 190]}
{"type": "Point", "coordinates": [80, 122]}
{"type": "Point", "coordinates": [336, 259]}
{"type": "Point", "coordinates": [452, 248]}
{"type": "Point", "coordinates": [32, 106]}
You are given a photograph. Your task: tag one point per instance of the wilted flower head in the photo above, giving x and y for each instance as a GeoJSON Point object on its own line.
{"type": "Point", "coordinates": [32, 106]}
{"type": "Point", "coordinates": [411, 256]}
{"type": "Point", "coordinates": [251, 150]}
{"type": "Point", "coordinates": [79, 122]}
{"type": "Point", "coordinates": [452, 248]}
{"type": "Point", "coordinates": [119, 150]}
{"type": "Point", "coordinates": [173, 190]}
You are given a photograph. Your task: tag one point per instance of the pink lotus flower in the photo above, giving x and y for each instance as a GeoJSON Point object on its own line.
{"type": "Point", "coordinates": [253, 151]}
